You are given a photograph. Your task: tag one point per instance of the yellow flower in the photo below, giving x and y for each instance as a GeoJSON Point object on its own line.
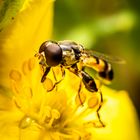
{"type": "Point", "coordinates": [29, 112]}
{"type": "Point", "coordinates": [46, 115]}
{"type": "Point", "coordinates": [33, 113]}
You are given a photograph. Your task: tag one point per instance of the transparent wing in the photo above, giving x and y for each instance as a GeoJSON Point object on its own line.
{"type": "Point", "coordinates": [106, 57]}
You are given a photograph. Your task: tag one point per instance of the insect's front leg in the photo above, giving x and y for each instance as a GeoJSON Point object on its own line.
{"type": "Point", "coordinates": [45, 74]}
{"type": "Point", "coordinates": [57, 82]}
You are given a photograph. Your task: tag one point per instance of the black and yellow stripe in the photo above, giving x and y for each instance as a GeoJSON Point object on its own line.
{"type": "Point", "coordinates": [103, 68]}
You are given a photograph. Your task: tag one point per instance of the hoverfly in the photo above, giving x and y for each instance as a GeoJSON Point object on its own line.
{"type": "Point", "coordinates": [72, 56]}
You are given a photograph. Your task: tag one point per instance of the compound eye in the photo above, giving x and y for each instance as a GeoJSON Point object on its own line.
{"type": "Point", "coordinates": [53, 53]}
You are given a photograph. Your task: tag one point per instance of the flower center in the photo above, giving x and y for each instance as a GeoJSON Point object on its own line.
{"type": "Point", "coordinates": [51, 112]}
{"type": "Point", "coordinates": [46, 119]}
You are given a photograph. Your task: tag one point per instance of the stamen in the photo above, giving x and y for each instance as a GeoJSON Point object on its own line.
{"type": "Point", "coordinates": [31, 63]}
{"type": "Point", "coordinates": [93, 102]}
{"type": "Point", "coordinates": [25, 68]}
{"type": "Point", "coordinates": [18, 105]}
{"type": "Point", "coordinates": [16, 78]}
{"type": "Point", "coordinates": [55, 115]}
{"type": "Point", "coordinates": [28, 66]}
{"type": "Point", "coordinates": [48, 84]}
{"type": "Point", "coordinates": [46, 113]}
{"type": "Point", "coordinates": [15, 87]}
{"type": "Point", "coordinates": [15, 75]}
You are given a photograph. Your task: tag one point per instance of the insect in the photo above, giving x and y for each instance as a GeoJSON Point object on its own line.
{"type": "Point", "coordinates": [72, 56]}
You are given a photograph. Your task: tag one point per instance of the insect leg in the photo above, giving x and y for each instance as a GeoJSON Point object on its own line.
{"type": "Point", "coordinates": [45, 74]}
{"type": "Point", "coordinates": [100, 105]}
{"type": "Point", "coordinates": [74, 69]}
{"type": "Point", "coordinates": [91, 86]}
{"type": "Point", "coordinates": [56, 83]}
{"type": "Point", "coordinates": [79, 90]}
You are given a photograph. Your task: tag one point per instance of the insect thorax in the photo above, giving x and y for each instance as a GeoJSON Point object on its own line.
{"type": "Point", "coordinates": [69, 57]}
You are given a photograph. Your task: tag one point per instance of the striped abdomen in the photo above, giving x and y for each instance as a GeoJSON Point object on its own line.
{"type": "Point", "coordinates": [103, 68]}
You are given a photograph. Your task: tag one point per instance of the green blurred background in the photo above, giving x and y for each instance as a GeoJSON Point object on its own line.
{"type": "Point", "coordinates": [108, 26]}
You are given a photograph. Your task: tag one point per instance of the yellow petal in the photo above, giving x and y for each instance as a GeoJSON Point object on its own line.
{"type": "Point", "coordinates": [23, 36]}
